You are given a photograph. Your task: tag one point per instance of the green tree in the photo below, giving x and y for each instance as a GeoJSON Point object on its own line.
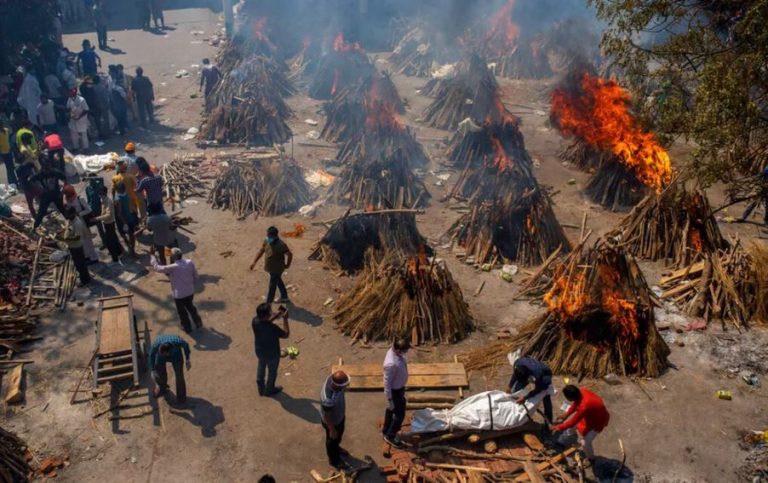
{"type": "Point", "coordinates": [702, 66]}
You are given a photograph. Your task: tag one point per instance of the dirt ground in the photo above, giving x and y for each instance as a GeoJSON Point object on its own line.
{"type": "Point", "coordinates": [673, 428]}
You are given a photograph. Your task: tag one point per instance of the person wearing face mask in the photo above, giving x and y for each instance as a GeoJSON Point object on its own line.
{"type": "Point", "coordinates": [277, 259]}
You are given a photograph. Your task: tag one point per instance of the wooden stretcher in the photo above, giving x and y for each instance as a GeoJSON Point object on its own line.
{"type": "Point", "coordinates": [119, 353]}
{"type": "Point", "coordinates": [440, 375]}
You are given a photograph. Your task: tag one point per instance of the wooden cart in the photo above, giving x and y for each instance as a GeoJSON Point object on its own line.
{"type": "Point", "coordinates": [119, 353]}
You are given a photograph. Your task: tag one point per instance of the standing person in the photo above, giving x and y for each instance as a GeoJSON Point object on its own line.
{"type": "Point", "coordinates": [142, 6]}
{"type": "Point", "coordinates": [267, 337]}
{"type": "Point", "coordinates": [6, 153]}
{"type": "Point", "coordinates": [127, 220]}
{"type": "Point", "coordinates": [56, 94]}
{"type": "Point", "coordinates": [130, 158]}
{"type": "Point", "coordinates": [528, 370]}
{"type": "Point", "coordinates": [169, 348]}
{"type": "Point", "coordinates": [46, 115]}
{"type": "Point", "coordinates": [333, 409]}
{"type": "Point", "coordinates": [183, 275]}
{"type": "Point", "coordinates": [145, 97]}
{"type": "Point", "coordinates": [53, 144]}
{"type": "Point", "coordinates": [162, 231]}
{"type": "Point", "coordinates": [26, 132]}
{"type": "Point", "coordinates": [157, 13]}
{"type": "Point", "coordinates": [88, 60]}
{"type": "Point", "coordinates": [101, 107]}
{"type": "Point", "coordinates": [587, 412]}
{"type": "Point", "coordinates": [119, 105]}
{"type": "Point", "coordinates": [277, 260]}
{"type": "Point", "coordinates": [100, 22]}
{"type": "Point", "coordinates": [49, 179]}
{"type": "Point", "coordinates": [78, 120]}
{"type": "Point", "coordinates": [209, 78]}
{"type": "Point", "coordinates": [150, 186]}
{"type": "Point", "coordinates": [107, 220]}
{"type": "Point", "coordinates": [71, 236]}
{"type": "Point", "coordinates": [27, 164]}
{"type": "Point", "coordinates": [762, 197]}
{"type": "Point", "coordinates": [93, 196]}
{"type": "Point", "coordinates": [29, 94]}
{"type": "Point", "coordinates": [83, 211]}
{"type": "Point", "coordinates": [395, 380]}
{"type": "Point", "coordinates": [125, 177]}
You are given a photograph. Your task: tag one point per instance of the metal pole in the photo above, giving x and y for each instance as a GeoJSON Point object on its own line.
{"type": "Point", "coordinates": [229, 18]}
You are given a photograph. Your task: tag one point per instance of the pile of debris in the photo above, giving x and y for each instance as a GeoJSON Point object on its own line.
{"type": "Point", "coordinates": [265, 186]}
{"type": "Point", "coordinates": [473, 93]}
{"type": "Point", "coordinates": [186, 176]}
{"type": "Point", "coordinates": [13, 458]}
{"type": "Point", "coordinates": [339, 67]}
{"type": "Point", "coordinates": [414, 297]}
{"type": "Point", "coordinates": [353, 104]}
{"type": "Point", "coordinates": [596, 111]}
{"type": "Point", "coordinates": [728, 284]}
{"type": "Point", "coordinates": [676, 225]}
{"type": "Point", "coordinates": [352, 238]}
{"type": "Point", "coordinates": [17, 256]}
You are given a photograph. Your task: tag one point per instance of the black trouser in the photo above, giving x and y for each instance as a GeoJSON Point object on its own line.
{"type": "Point", "coordinates": [333, 446]}
{"type": "Point", "coordinates": [101, 34]}
{"type": "Point", "coordinates": [160, 375]}
{"type": "Point", "coordinates": [46, 199]}
{"type": "Point", "coordinates": [121, 116]}
{"type": "Point", "coordinates": [10, 169]}
{"type": "Point", "coordinates": [108, 234]}
{"type": "Point", "coordinates": [264, 366]}
{"type": "Point", "coordinates": [146, 111]}
{"type": "Point", "coordinates": [393, 418]}
{"type": "Point", "coordinates": [518, 385]}
{"type": "Point", "coordinates": [276, 282]}
{"type": "Point", "coordinates": [56, 159]}
{"type": "Point", "coordinates": [81, 264]}
{"type": "Point", "coordinates": [186, 308]}
{"type": "Point", "coordinates": [160, 251]}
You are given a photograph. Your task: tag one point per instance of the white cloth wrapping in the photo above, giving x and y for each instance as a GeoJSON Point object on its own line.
{"type": "Point", "coordinates": [29, 96]}
{"type": "Point", "coordinates": [478, 411]}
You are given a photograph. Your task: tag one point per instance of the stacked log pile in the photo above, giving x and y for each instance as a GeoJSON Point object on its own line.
{"type": "Point", "coordinates": [352, 238]}
{"type": "Point", "coordinates": [414, 298]}
{"type": "Point", "coordinates": [302, 66]}
{"type": "Point", "coordinates": [339, 67]}
{"type": "Point", "coordinates": [184, 177]}
{"type": "Point", "coordinates": [583, 156]}
{"type": "Point", "coordinates": [676, 225]}
{"type": "Point", "coordinates": [414, 53]}
{"type": "Point", "coordinates": [232, 53]}
{"type": "Point", "coordinates": [266, 187]}
{"type": "Point", "coordinates": [13, 458]}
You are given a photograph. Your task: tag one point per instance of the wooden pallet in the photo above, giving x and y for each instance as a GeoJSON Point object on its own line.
{"type": "Point", "coordinates": [117, 345]}
{"type": "Point", "coordinates": [432, 375]}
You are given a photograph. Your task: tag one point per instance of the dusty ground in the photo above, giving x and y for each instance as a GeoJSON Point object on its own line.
{"type": "Point", "coordinates": [673, 428]}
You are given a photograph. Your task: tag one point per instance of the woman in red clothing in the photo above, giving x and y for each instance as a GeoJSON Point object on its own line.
{"type": "Point", "coordinates": [588, 413]}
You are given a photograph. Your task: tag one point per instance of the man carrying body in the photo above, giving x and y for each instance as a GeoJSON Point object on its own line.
{"type": "Point", "coordinates": [55, 147]}
{"type": "Point", "coordinates": [395, 380]}
{"type": "Point", "coordinates": [278, 259]}
{"type": "Point", "coordinates": [529, 370]}
{"type": "Point", "coordinates": [49, 178]}
{"type": "Point", "coordinates": [183, 275]}
{"type": "Point", "coordinates": [169, 348]}
{"type": "Point", "coordinates": [333, 410]}
{"type": "Point", "coordinates": [588, 413]}
{"type": "Point", "coordinates": [267, 337]}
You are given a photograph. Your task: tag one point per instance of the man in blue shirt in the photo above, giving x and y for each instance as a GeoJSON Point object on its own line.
{"type": "Point", "coordinates": [529, 370]}
{"type": "Point", "coordinates": [169, 348]}
{"type": "Point", "coordinates": [89, 60]}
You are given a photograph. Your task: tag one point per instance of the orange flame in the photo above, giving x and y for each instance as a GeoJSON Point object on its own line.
{"type": "Point", "coordinates": [500, 159]}
{"type": "Point", "coordinates": [339, 45]}
{"type": "Point", "coordinates": [694, 236]}
{"type": "Point", "coordinates": [601, 117]}
{"type": "Point", "coordinates": [336, 75]}
{"type": "Point", "coordinates": [258, 28]}
{"type": "Point", "coordinates": [567, 298]}
{"type": "Point", "coordinates": [503, 32]}
{"type": "Point", "coordinates": [381, 115]}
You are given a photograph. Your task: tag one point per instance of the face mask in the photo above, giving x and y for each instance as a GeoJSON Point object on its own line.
{"type": "Point", "coordinates": [270, 240]}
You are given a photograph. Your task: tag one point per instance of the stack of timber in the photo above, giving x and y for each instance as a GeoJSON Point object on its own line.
{"type": "Point", "coordinates": [302, 66]}
{"type": "Point", "coordinates": [676, 225]}
{"type": "Point", "coordinates": [414, 298]}
{"type": "Point", "coordinates": [339, 67]}
{"type": "Point", "coordinates": [583, 156]}
{"type": "Point", "coordinates": [183, 178]}
{"type": "Point", "coordinates": [414, 53]}
{"type": "Point", "coordinates": [615, 187]}
{"type": "Point", "coordinates": [13, 458]}
{"type": "Point", "coordinates": [352, 237]}
{"type": "Point", "coordinates": [265, 187]}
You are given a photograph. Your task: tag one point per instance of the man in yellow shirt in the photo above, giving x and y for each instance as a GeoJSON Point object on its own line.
{"type": "Point", "coordinates": [5, 152]}
{"type": "Point", "coordinates": [129, 180]}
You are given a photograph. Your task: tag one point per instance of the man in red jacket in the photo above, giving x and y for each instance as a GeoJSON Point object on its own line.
{"type": "Point", "coordinates": [587, 412]}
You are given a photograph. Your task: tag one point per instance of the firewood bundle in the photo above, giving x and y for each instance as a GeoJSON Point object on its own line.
{"type": "Point", "coordinates": [583, 156]}
{"type": "Point", "coordinates": [183, 178]}
{"type": "Point", "coordinates": [349, 240]}
{"type": "Point", "coordinates": [377, 170]}
{"type": "Point", "coordinates": [599, 319]}
{"type": "Point", "coordinates": [411, 298]}
{"type": "Point", "coordinates": [352, 105]}
{"type": "Point", "coordinates": [615, 187]}
{"type": "Point", "coordinates": [414, 54]}
{"type": "Point", "coordinates": [510, 229]}
{"type": "Point", "coordinates": [261, 187]}
{"type": "Point", "coordinates": [338, 68]}
{"type": "Point", "coordinates": [527, 60]}
{"type": "Point", "coordinates": [13, 461]}
{"type": "Point", "coordinates": [232, 53]}
{"type": "Point", "coordinates": [676, 225]}
{"type": "Point", "coordinates": [472, 94]}
{"type": "Point", "coordinates": [303, 65]}
{"type": "Point", "coordinates": [728, 284]}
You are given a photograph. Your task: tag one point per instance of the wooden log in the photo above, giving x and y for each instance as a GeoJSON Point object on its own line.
{"type": "Point", "coordinates": [532, 472]}
{"type": "Point", "coordinates": [546, 464]}
{"type": "Point", "coordinates": [457, 467]}
{"type": "Point", "coordinates": [15, 392]}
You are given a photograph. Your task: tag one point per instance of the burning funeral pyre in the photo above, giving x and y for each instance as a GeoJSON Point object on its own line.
{"type": "Point", "coordinates": [268, 187]}
{"type": "Point", "coordinates": [242, 47]}
{"type": "Point", "coordinates": [304, 64]}
{"type": "Point", "coordinates": [352, 105]}
{"type": "Point", "coordinates": [472, 93]}
{"type": "Point", "coordinates": [414, 53]}
{"type": "Point", "coordinates": [352, 237]}
{"type": "Point", "coordinates": [676, 225]}
{"type": "Point", "coordinates": [339, 67]}
{"type": "Point", "coordinates": [378, 164]}
{"type": "Point", "coordinates": [596, 111]}
{"type": "Point", "coordinates": [414, 298]}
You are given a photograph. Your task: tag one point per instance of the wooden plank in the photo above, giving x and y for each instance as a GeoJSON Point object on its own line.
{"type": "Point", "coordinates": [435, 369]}
{"type": "Point", "coordinates": [115, 334]}
{"type": "Point", "coordinates": [546, 464]}
{"type": "Point", "coordinates": [15, 392]}
{"type": "Point", "coordinates": [116, 377]}
{"type": "Point", "coordinates": [116, 358]}
{"type": "Point", "coordinates": [436, 375]}
{"type": "Point", "coordinates": [371, 382]}
{"type": "Point", "coordinates": [694, 269]}
{"type": "Point", "coordinates": [533, 474]}
{"type": "Point", "coordinates": [120, 368]}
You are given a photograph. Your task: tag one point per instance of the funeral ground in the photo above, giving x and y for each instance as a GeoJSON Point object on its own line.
{"type": "Point", "coordinates": [673, 428]}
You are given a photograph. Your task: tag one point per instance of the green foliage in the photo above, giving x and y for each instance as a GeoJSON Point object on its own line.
{"type": "Point", "coordinates": [702, 65]}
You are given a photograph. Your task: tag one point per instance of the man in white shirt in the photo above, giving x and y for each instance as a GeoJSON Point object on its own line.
{"type": "Point", "coordinates": [78, 120]}
{"type": "Point", "coordinates": [46, 115]}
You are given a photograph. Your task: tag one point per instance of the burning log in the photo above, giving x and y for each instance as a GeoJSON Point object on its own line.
{"type": "Point", "coordinates": [262, 187]}
{"type": "Point", "coordinates": [338, 68]}
{"type": "Point", "coordinates": [353, 104]}
{"type": "Point", "coordinates": [414, 298]}
{"type": "Point", "coordinates": [303, 65]}
{"type": "Point", "coordinates": [512, 229]}
{"type": "Point", "coordinates": [596, 111]}
{"type": "Point", "coordinates": [472, 94]}
{"type": "Point", "coordinates": [675, 225]}
{"type": "Point", "coordinates": [13, 461]}
{"type": "Point", "coordinates": [352, 238]}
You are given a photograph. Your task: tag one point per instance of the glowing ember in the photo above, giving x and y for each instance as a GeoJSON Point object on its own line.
{"type": "Point", "coordinates": [694, 237]}
{"type": "Point", "coordinates": [258, 28]}
{"type": "Point", "coordinates": [340, 46]}
{"type": "Point", "coordinates": [600, 116]}
{"type": "Point", "coordinates": [381, 115]}
{"type": "Point", "coordinates": [567, 297]}
{"type": "Point", "coordinates": [501, 161]}
{"type": "Point", "coordinates": [503, 32]}
{"type": "Point", "coordinates": [336, 75]}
